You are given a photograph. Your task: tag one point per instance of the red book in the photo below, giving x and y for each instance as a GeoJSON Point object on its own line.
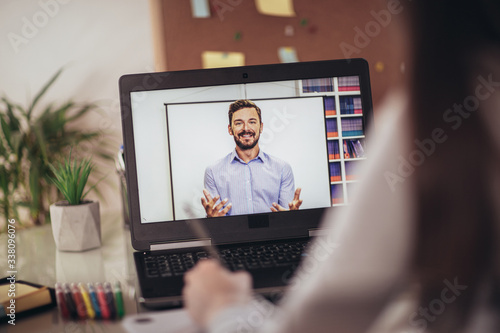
{"type": "Point", "coordinates": [349, 88]}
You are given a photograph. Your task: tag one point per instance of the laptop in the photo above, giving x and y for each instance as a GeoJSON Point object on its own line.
{"type": "Point", "coordinates": [175, 125]}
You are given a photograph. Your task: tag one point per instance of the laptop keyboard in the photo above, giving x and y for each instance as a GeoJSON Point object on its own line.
{"type": "Point", "coordinates": [234, 258]}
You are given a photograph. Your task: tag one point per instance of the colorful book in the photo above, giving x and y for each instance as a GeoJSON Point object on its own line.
{"type": "Point", "coordinates": [337, 194]}
{"type": "Point", "coordinates": [357, 106]}
{"type": "Point", "coordinates": [317, 85]}
{"type": "Point", "coordinates": [330, 106]}
{"type": "Point", "coordinates": [331, 128]}
{"type": "Point", "coordinates": [353, 149]}
{"type": "Point", "coordinates": [350, 105]}
{"type": "Point", "coordinates": [333, 150]}
{"type": "Point", "coordinates": [352, 126]}
{"type": "Point", "coordinates": [348, 83]}
{"type": "Point", "coordinates": [335, 172]}
{"type": "Point", "coordinates": [358, 148]}
{"type": "Point", "coordinates": [346, 104]}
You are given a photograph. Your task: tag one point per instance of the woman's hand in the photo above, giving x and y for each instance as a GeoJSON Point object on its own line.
{"type": "Point", "coordinates": [210, 288]}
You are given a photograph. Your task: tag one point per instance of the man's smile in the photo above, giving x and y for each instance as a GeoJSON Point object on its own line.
{"type": "Point", "coordinates": [246, 135]}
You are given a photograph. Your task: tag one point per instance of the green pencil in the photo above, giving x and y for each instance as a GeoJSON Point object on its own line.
{"type": "Point", "coordinates": [120, 310]}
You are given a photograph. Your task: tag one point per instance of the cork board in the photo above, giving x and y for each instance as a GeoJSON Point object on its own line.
{"type": "Point", "coordinates": [322, 30]}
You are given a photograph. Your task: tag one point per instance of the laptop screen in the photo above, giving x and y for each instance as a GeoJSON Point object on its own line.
{"type": "Point", "coordinates": [313, 129]}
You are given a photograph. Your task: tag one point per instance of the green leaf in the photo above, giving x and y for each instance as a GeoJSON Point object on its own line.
{"type": "Point", "coordinates": [41, 144]}
{"type": "Point", "coordinates": [34, 183]}
{"type": "Point", "coordinates": [71, 177]}
{"type": "Point", "coordinates": [3, 149]}
{"type": "Point", "coordinates": [15, 106]}
{"type": "Point", "coordinates": [16, 140]}
{"type": "Point", "coordinates": [47, 112]}
{"type": "Point", "coordinates": [42, 92]}
{"type": "Point", "coordinates": [14, 122]}
{"type": "Point", "coordinates": [83, 111]}
{"type": "Point", "coordinates": [6, 131]}
{"type": "Point", "coordinates": [94, 188]}
{"type": "Point", "coordinates": [4, 181]}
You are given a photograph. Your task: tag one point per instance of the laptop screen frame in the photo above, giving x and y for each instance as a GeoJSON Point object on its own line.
{"type": "Point", "coordinates": [239, 228]}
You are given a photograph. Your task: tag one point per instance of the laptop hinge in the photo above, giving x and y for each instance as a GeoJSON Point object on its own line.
{"type": "Point", "coordinates": [181, 245]}
{"type": "Point", "coordinates": [318, 232]}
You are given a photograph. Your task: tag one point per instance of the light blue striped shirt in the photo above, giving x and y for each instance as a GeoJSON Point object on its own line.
{"type": "Point", "coordinates": [251, 187]}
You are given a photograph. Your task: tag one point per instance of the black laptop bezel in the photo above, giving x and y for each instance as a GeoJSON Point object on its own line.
{"type": "Point", "coordinates": [228, 229]}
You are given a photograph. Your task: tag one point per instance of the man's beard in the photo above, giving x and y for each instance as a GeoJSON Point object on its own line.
{"type": "Point", "coordinates": [244, 146]}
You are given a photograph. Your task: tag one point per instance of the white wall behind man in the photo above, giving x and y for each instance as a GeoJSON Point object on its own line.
{"type": "Point", "coordinates": [95, 41]}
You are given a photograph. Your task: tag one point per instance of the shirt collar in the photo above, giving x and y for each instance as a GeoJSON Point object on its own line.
{"type": "Point", "coordinates": [261, 156]}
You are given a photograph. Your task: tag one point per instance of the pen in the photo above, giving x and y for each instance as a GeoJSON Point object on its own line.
{"type": "Point", "coordinates": [119, 300]}
{"type": "Point", "coordinates": [102, 302]}
{"type": "Point", "coordinates": [80, 306]}
{"type": "Point", "coordinates": [86, 301]}
{"type": "Point", "coordinates": [110, 301]}
{"type": "Point", "coordinates": [93, 299]}
{"type": "Point", "coordinates": [69, 301]}
{"type": "Point", "coordinates": [201, 232]}
{"type": "Point", "coordinates": [61, 301]}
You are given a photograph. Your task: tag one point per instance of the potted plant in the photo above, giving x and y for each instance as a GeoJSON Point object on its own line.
{"type": "Point", "coordinates": [76, 223]}
{"type": "Point", "coordinates": [30, 137]}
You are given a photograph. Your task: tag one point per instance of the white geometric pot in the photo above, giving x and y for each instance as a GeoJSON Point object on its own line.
{"type": "Point", "coordinates": [76, 227]}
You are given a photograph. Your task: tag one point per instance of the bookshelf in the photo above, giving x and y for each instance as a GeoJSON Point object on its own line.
{"type": "Point", "coordinates": [345, 130]}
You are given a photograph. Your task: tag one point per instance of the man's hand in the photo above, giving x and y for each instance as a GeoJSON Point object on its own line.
{"type": "Point", "coordinates": [294, 205]}
{"type": "Point", "coordinates": [210, 288]}
{"type": "Point", "coordinates": [211, 209]}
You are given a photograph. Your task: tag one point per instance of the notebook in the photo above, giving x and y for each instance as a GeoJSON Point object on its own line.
{"type": "Point", "coordinates": [175, 128]}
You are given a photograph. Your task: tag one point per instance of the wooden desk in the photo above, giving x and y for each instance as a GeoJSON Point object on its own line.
{"type": "Point", "coordinates": [38, 261]}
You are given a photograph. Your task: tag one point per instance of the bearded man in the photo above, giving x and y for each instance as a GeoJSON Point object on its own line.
{"type": "Point", "coordinates": [249, 180]}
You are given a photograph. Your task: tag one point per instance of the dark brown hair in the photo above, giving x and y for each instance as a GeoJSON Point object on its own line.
{"type": "Point", "coordinates": [456, 222]}
{"type": "Point", "coordinates": [241, 104]}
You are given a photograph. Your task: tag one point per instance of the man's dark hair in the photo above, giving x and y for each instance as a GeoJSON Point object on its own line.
{"type": "Point", "coordinates": [241, 104]}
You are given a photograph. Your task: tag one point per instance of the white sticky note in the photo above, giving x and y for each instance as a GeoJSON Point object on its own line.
{"type": "Point", "coordinates": [287, 54]}
{"type": "Point", "coordinates": [216, 59]}
{"type": "Point", "coordinates": [275, 7]}
{"type": "Point", "coordinates": [200, 8]}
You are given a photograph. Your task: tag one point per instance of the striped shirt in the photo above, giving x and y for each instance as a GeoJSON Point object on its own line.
{"type": "Point", "coordinates": [251, 187]}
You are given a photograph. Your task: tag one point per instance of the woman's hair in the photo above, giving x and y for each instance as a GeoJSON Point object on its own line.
{"type": "Point", "coordinates": [456, 222]}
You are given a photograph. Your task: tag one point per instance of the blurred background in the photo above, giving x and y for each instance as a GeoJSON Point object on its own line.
{"type": "Point", "coordinates": [94, 42]}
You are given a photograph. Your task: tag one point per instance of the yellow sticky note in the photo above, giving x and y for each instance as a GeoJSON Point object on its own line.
{"type": "Point", "coordinates": [379, 66]}
{"type": "Point", "coordinates": [215, 59]}
{"type": "Point", "coordinates": [275, 7]}
{"type": "Point", "coordinates": [287, 54]}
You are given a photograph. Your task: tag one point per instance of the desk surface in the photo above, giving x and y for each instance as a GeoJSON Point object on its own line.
{"type": "Point", "coordinates": [38, 261]}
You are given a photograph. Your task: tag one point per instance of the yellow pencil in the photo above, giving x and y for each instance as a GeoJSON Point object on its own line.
{"type": "Point", "coordinates": [86, 300]}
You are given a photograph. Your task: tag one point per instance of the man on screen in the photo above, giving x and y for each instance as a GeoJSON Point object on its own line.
{"type": "Point", "coordinates": [249, 180]}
